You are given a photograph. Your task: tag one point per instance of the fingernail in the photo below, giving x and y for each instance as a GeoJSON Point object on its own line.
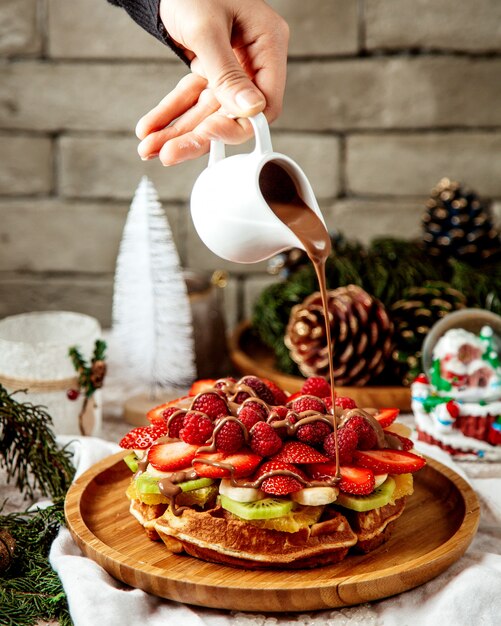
{"type": "Point", "coordinates": [249, 99]}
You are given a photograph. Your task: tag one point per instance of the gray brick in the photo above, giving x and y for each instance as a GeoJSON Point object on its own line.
{"type": "Point", "coordinates": [397, 92]}
{"type": "Point", "coordinates": [20, 293]}
{"type": "Point", "coordinates": [444, 25]}
{"type": "Point", "coordinates": [25, 165]}
{"type": "Point", "coordinates": [19, 32]}
{"type": "Point", "coordinates": [109, 167]}
{"type": "Point", "coordinates": [363, 220]}
{"type": "Point", "coordinates": [90, 29]}
{"type": "Point", "coordinates": [66, 96]}
{"type": "Point", "coordinates": [58, 236]}
{"type": "Point", "coordinates": [320, 28]}
{"type": "Point", "coordinates": [399, 164]}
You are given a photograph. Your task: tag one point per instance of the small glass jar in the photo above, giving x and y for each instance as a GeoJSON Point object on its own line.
{"type": "Point", "coordinates": [34, 356]}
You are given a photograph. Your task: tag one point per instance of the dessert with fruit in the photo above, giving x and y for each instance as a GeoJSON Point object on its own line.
{"type": "Point", "coordinates": [241, 473]}
{"type": "Point", "coordinates": [457, 403]}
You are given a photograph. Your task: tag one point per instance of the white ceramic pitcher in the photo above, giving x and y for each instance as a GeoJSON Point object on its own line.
{"type": "Point", "coordinates": [229, 210]}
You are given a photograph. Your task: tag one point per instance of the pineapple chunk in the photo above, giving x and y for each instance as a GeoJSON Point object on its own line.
{"type": "Point", "coordinates": [404, 486]}
{"type": "Point", "coordinates": [300, 517]}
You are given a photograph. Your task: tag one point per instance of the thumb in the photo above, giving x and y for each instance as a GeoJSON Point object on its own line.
{"type": "Point", "coordinates": [231, 85]}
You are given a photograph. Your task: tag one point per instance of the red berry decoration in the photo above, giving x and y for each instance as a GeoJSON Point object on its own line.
{"type": "Point", "coordinates": [347, 442]}
{"type": "Point", "coordinates": [72, 394]}
{"type": "Point", "coordinates": [367, 438]}
{"type": "Point", "coordinates": [211, 404]}
{"type": "Point", "coordinates": [249, 416]}
{"type": "Point", "coordinates": [264, 440]}
{"type": "Point", "coordinates": [197, 428]}
{"type": "Point", "coordinates": [258, 387]}
{"type": "Point", "coordinates": [230, 437]}
{"type": "Point", "coordinates": [279, 395]}
{"type": "Point", "coordinates": [316, 386]}
{"type": "Point", "coordinates": [313, 433]}
{"type": "Point", "coordinates": [345, 403]}
{"type": "Point", "coordinates": [308, 403]}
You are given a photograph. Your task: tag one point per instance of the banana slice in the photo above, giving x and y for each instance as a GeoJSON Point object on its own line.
{"type": "Point", "coordinates": [315, 496]}
{"type": "Point", "coordinates": [379, 479]}
{"type": "Point", "coordinates": [240, 494]}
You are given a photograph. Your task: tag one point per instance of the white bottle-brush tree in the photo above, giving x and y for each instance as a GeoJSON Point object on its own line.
{"type": "Point", "coordinates": [151, 344]}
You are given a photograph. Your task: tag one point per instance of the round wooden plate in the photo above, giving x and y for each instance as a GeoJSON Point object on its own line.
{"type": "Point", "coordinates": [250, 356]}
{"type": "Point", "coordinates": [435, 529]}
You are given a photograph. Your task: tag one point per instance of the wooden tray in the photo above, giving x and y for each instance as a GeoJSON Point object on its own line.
{"type": "Point", "coordinates": [250, 356]}
{"type": "Point", "coordinates": [435, 529]}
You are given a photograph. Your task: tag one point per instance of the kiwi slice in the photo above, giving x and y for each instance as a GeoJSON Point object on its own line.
{"type": "Point", "coordinates": [147, 484]}
{"type": "Point", "coordinates": [197, 483]}
{"type": "Point", "coordinates": [267, 508]}
{"type": "Point", "coordinates": [131, 461]}
{"type": "Point", "coordinates": [379, 497]}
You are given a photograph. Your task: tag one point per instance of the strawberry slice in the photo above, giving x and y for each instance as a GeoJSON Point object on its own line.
{"type": "Point", "coordinates": [320, 471]}
{"type": "Point", "coordinates": [282, 483]}
{"type": "Point", "coordinates": [204, 384]}
{"type": "Point", "coordinates": [143, 437]}
{"type": "Point", "coordinates": [299, 452]}
{"type": "Point", "coordinates": [156, 414]}
{"type": "Point", "coordinates": [354, 480]}
{"type": "Point", "coordinates": [171, 456]}
{"type": "Point", "coordinates": [243, 463]}
{"type": "Point", "coordinates": [387, 416]}
{"type": "Point", "coordinates": [389, 461]}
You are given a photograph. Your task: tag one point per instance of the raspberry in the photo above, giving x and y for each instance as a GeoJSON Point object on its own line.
{"type": "Point", "coordinates": [175, 423]}
{"type": "Point", "coordinates": [278, 394]}
{"type": "Point", "coordinates": [256, 406]}
{"type": "Point", "coordinates": [316, 386]}
{"type": "Point", "coordinates": [264, 440]}
{"type": "Point", "coordinates": [345, 403]}
{"type": "Point", "coordinates": [259, 388]}
{"type": "Point", "coordinates": [197, 428]}
{"type": "Point", "coordinates": [249, 416]}
{"type": "Point", "coordinates": [278, 414]}
{"type": "Point", "coordinates": [347, 441]}
{"type": "Point", "coordinates": [308, 403]}
{"type": "Point", "coordinates": [367, 438]}
{"type": "Point", "coordinates": [211, 404]}
{"type": "Point", "coordinates": [314, 432]}
{"type": "Point", "coordinates": [230, 437]}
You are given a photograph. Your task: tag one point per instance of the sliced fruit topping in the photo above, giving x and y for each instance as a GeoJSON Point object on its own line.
{"type": "Point", "coordinates": [142, 437]}
{"type": "Point", "coordinates": [199, 386]}
{"type": "Point", "coordinates": [280, 397]}
{"type": "Point", "coordinates": [131, 461]}
{"type": "Point", "coordinates": [299, 452]}
{"type": "Point", "coordinates": [300, 517]}
{"type": "Point", "coordinates": [210, 403]}
{"type": "Point", "coordinates": [196, 483]}
{"type": "Point", "coordinates": [160, 413]}
{"type": "Point", "coordinates": [307, 403]}
{"type": "Point", "coordinates": [404, 486]}
{"type": "Point", "coordinates": [391, 461]}
{"type": "Point", "coordinates": [230, 437]}
{"type": "Point", "coordinates": [258, 387]}
{"type": "Point", "coordinates": [313, 433]}
{"type": "Point", "coordinates": [260, 509]}
{"type": "Point", "coordinates": [264, 439]}
{"type": "Point", "coordinates": [286, 478]}
{"type": "Point", "coordinates": [315, 496]}
{"type": "Point", "coordinates": [147, 484]}
{"type": "Point", "coordinates": [367, 438]}
{"type": "Point", "coordinates": [345, 403]}
{"type": "Point", "coordinates": [387, 416]}
{"type": "Point", "coordinates": [378, 498]}
{"type": "Point", "coordinates": [197, 428]}
{"type": "Point", "coordinates": [316, 386]}
{"type": "Point", "coordinates": [240, 494]}
{"type": "Point", "coordinates": [202, 498]}
{"type": "Point", "coordinates": [356, 480]}
{"type": "Point", "coordinates": [380, 478]}
{"type": "Point", "coordinates": [220, 465]}
{"type": "Point", "coordinates": [398, 442]}
{"type": "Point", "coordinates": [172, 456]}
{"type": "Point", "coordinates": [347, 442]}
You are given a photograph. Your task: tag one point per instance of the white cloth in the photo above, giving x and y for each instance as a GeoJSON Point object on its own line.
{"type": "Point", "coordinates": [469, 592]}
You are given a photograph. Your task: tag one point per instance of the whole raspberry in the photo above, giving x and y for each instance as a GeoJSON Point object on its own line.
{"type": "Point", "coordinates": [249, 416]}
{"type": "Point", "coordinates": [345, 403]}
{"type": "Point", "coordinates": [264, 440]}
{"type": "Point", "coordinates": [174, 423]}
{"type": "Point", "coordinates": [316, 386]}
{"type": "Point", "coordinates": [211, 404]}
{"type": "Point", "coordinates": [278, 414]}
{"type": "Point", "coordinates": [308, 403]}
{"type": "Point", "coordinates": [256, 406]}
{"type": "Point", "coordinates": [367, 438]}
{"type": "Point", "coordinates": [313, 433]}
{"type": "Point", "coordinates": [258, 387]}
{"type": "Point", "coordinates": [279, 395]}
{"type": "Point", "coordinates": [347, 442]}
{"type": "Point", "coordinates": [230, 437]}
{"type": "Point", "coordinates": [197, 428]}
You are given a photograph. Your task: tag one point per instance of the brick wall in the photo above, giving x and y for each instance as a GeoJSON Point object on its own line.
{"type": "Point", "coordinates": [384, 97]}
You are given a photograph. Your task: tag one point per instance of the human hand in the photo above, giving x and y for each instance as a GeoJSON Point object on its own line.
{"type": "Point", "coordinates": [238, 55]}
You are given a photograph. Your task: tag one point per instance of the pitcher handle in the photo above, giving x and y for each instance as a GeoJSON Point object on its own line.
{"type": "Point", "coordinates": [263, 140]}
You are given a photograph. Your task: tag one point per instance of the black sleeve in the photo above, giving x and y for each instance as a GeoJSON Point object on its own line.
{"type": "Point", "coordinates": [146, 14]}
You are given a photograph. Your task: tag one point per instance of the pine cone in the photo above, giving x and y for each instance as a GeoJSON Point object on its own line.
{"type": "Point", "coordinates": [97, 374]}
{"type": "Point", "coordinates": [7, 548]}
{"type": "Point", "coordinates": [413, 316]}
{"type": "Point", "coordinates": [457, 224]}
{"type": "Point", "coordinates": [361, 336]}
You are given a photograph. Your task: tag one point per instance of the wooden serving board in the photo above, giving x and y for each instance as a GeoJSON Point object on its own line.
{"type": "Point", "coordinates": [250, 356]}
{"type": "Point", "coordinates": [435, 529]}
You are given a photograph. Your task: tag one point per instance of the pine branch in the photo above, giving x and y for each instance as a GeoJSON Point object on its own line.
{"type": "Point", "coordinates": [28, 449]}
